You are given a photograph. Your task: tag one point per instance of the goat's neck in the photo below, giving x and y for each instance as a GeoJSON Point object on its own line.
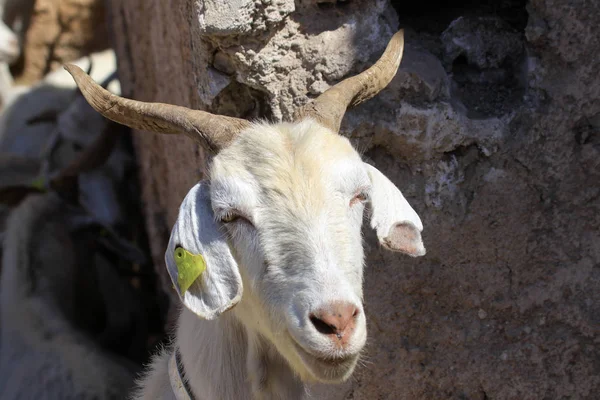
{"type": "Point", "coordinates": [224, 359]}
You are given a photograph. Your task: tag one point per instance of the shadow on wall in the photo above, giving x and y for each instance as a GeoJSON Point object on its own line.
{"type": "Point", "coordinates": [481, 46]}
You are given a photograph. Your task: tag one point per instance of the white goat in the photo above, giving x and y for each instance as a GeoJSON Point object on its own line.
{"type": "Point", "coordinates": [38, 116]}
{"type": "Point", "coordinates": [42, 355]}
{"type": "Point", "coordinates": [278, 225]}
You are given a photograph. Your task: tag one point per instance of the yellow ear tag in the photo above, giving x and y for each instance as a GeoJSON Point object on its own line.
{"type": "Point", "coordinates": [38, 183]}
{"type": "Point", "coordinates": [189, 268]}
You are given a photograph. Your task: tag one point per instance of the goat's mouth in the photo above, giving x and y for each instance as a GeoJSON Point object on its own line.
{"type": "Point", "coordinates": [327, 369]}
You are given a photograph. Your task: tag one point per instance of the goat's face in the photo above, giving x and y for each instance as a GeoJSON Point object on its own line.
{"type": "Point", "coordinates": [282, 220]}
{"type": "Point", "coordinates": [294, 196]}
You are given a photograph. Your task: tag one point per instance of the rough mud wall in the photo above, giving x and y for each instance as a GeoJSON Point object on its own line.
{"type": "Point", "coordinates": [61, 31]}
{"type": "Point", "coordinates": [491, 129]}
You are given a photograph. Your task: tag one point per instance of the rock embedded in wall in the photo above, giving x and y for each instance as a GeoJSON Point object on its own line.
{"type": "Point", "coordinates": [300, 46]}
{"type": "Point", "coordinates": [219, 18]}
{"type": "Point", "coordinates": [494, 142]}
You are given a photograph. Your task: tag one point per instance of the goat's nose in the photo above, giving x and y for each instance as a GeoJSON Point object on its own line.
{"type": "Point", "coordinates": [336, 320]}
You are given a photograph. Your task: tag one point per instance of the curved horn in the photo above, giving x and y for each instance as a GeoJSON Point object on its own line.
{"type": "Point", "coordinates": [329, 108]}
{"type": "Point", "coordinates": [214, 131]}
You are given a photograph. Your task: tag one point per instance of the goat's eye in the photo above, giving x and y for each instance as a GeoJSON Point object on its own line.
{"type": "Point", "coordinates": [360, 197]}
{"type": "Point", "coordinates": [229, 217]}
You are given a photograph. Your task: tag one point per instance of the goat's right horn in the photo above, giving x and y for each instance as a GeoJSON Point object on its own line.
{"type": "Point", "coordinates": [329, 108]}
{"type": "Point", "coordinates": [214, 131]}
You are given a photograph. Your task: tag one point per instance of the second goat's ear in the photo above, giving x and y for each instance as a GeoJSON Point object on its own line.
{"type": "Point", "coordinates": [209, 282]}
{"type": "Point", "coordinates": [397, 225]}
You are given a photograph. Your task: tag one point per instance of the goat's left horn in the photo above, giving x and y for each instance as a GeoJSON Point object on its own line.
{"type": "Point", "coordinates": [329, 108]}
{"type": "Point", "coordinates": [213, 131]}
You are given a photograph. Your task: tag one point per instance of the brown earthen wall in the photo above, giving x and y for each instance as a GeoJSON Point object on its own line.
{"type": "Point", "coordinates": [495, 143]}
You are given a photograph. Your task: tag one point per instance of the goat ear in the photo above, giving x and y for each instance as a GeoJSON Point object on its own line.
{"type": "Point", "coordinates": [397, 225]}
{"type": "Point", "coordinates": [219, 287]}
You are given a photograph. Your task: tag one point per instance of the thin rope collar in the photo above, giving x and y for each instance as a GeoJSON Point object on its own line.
{"type": "Point", "coordinates": [179, 385]}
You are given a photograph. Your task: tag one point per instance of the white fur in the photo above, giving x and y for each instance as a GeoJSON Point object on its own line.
{"type": "Point", "coordinates": [391, 209]}
{"type": "Point", "coordinates": [297, 247]}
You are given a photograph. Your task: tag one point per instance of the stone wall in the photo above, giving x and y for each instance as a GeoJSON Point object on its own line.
{"type": "Point", "coordinates": [491, 129]}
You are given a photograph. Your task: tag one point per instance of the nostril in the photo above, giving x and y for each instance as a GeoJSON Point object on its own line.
{"type": "Point", "coordinates": [336, 320]}
{"type": "Point", "coordinates": [322, 326]}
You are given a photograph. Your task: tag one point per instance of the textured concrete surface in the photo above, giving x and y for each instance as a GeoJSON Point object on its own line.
{"type": "Point", "coordinates": [495, 142]}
